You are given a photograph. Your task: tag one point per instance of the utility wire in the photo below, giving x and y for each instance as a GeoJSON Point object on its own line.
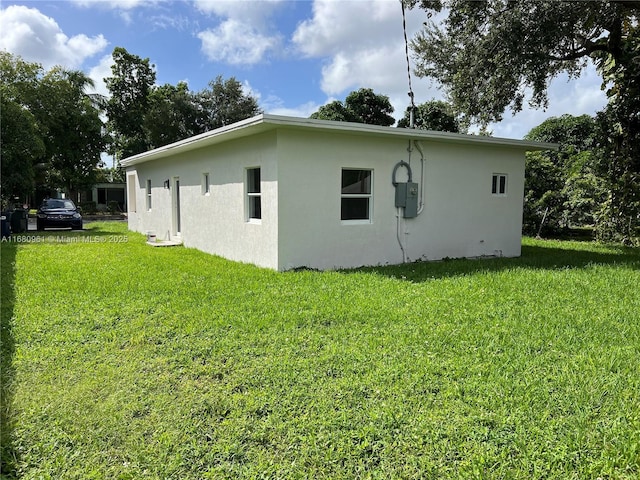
{"type": "Point", "coordinates": [406, 51]}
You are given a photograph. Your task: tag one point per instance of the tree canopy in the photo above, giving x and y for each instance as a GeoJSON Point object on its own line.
{"type": "Point", "coordinates": [490, 54]}
{"type": "Point", "coordinates": [73, 131]}
{"type": "Point", "coordinates": [143, 116]}
{"type": "Point", "coordinates": [433, 115]}
{"type": "Point", "coordinates": [360, 106]}
{"type": "Point", "coordinates": [563, 188]}
{"type": "Point", "coordinates": [224, 102]}
{"type": "Point", "coordinates": [21, 142]}
{"type": "Point", "coordinates": [51, 129]}
{"type": "Point", "coordinates": [129, 87]}
{"type": "Point", "coordinates": [493, 55]}
{"type": "Point", "coordinates": [172, 115]}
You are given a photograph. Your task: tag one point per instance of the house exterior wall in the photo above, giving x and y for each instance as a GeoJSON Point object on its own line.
{"type": "Point", "coordinates": [215, 222]}
{"type": "Point", "coordinates": [301, 196]}
{"type": "Point", "coordinates": [311, 231]}
{"type": "Point", "coordinates": [461, 217]}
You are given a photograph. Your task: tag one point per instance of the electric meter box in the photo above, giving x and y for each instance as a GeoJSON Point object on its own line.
{"type": "Point", "coordinates": [407, 198]}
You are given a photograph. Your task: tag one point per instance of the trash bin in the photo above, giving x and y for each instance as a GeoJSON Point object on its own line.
{"type": "Point", "coordinates": [4, 225]}
{"type": "Point", "coordinates": [19, 219]}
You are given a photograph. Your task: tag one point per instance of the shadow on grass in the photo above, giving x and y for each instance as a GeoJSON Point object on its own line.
{"type": "Point", "coordinates": [99, 229]}
{"type": "Point", "coordinates": [8, 460]}
{"type": "Point", "coordinates": [533, 257]}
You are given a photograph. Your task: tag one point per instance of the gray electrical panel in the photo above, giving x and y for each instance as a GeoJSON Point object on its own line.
{"type": "Point", "coordinates": [407, 198]}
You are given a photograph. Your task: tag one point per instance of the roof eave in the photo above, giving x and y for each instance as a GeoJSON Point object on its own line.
{"type": "Point", "coordinates": [195, 142]}
{"type": "Point", "coordinates": [265, 122]}
{"type": "Point", "coordinates": [433, 135]}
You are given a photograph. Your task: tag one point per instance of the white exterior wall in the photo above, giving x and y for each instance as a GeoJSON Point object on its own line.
{"type": "Point", "coordinates": [311, 231]}
{"type": "Point", "coordinates": [301, 186]}
{"type": "Point", "coordinates": [461, 217]}
{"type": "Point", "coordinates": [215, 223]}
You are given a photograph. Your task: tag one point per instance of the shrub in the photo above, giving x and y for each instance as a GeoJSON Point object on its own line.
{"type": "Point", "coordinates": [113, 207]}
{"type": "Point", "coordinates": [88, 207]}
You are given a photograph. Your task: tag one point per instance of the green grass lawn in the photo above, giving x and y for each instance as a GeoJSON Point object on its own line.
{"type": "Point", "coordinates": [122, 361]}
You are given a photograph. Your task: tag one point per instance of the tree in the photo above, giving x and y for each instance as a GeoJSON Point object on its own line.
{"type": "Point", "coordinates": [130, 87]}
{"type": "Point", "coordinates": [489, 54]}
{"type": "Point", "coordinates": [360, 106]}
{"type": "Point", "coordinates": [72, 130]}
{"type": "Point", "coordinates": [224, 103]}
{"type": "Point", "coordinates": [51, 129]}
{"type": "Point", "coordinates": [619, 130]}
{"type": "Point", "coordinates": [21, 144]}
{"type": "Point", "coordinates": [20, 139]}
{"type": "Point", "coordinates": [335, 111]}
{"type": "Point", "coordinates": [433, 115]}
{"type": "Point", "coordinates": [562, 188]}
{"type": "Point", "coordinates": [370, 108]}
{"type": "Point", "coordinates": [172, 115]}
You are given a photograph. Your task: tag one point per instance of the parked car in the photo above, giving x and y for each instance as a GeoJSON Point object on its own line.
{"type": "Point", "coordinates": [58, 213]}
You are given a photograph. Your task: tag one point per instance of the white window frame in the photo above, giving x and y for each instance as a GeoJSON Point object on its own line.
{"type": "Point", "coordinates": [499, 184]}
{"type": "Point", "coordinates": [206, 186]}
{"type": "Point", "coordinates": [148, 194]}
{"type": "Point", "coordinates": [251, 196]}
{"type": "Point", "coordinates": [368, 196]}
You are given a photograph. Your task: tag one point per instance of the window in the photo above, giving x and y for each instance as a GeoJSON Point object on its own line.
{"type": "Point", "coordinates": [356, 194]}
{"type": "Point", "coordinates": [205, 184]}
{"type": "Point", "coordinates": [499, 184]}
{"type": "Point", "coordinates": [148, 194]}
{"type": "Point", "coordinates": [253, 194]}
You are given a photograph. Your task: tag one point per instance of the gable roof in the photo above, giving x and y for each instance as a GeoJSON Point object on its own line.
{"type": "Point", "coordinates": [266, 122]}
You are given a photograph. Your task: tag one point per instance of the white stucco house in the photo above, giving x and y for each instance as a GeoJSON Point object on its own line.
{"type": "Point", "coordinates": [283, 192]}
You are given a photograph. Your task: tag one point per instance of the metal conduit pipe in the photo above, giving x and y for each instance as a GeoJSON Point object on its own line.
{"type": "Point", "coordinates": [422, 165]}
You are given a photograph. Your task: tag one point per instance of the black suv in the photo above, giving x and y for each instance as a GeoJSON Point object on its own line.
{"type": "Point", "coordinates": [58, 213]}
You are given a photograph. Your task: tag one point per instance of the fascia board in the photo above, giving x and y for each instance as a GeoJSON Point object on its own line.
{"type": "Point", "coordinates": [236, 130]}
{"type": "Point", "coordinates": [265, 122]}
{"type": "Point", "coordinates": [414, 134]}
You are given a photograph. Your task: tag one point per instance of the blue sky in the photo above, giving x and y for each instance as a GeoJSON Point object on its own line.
{"type": "Point", "coordinates": [294, 56]}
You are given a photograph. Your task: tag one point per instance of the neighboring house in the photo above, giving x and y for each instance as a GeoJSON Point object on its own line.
{"type": "Point", "coordinates": [283, 192]}
{"type": "Point", "coordinates": [105, 193]}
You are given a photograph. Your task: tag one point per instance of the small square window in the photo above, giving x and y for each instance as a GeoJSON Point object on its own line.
{"type": "Point", "coordinates": [254, 195]}
{"type": "Point", "coordinates": [499, 184]}
{"type": "Point", "coordinates": [355, 200]}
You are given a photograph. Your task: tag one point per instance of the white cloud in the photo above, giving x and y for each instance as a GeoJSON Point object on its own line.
{"type": "Point", "coordinates": [250, 12]}
{"type": "Point", "coordinates": [362, 43]}
{"type": "Point", "coordinates": [302, 111]}
{"type": "Point", "coordinates": [99, 72]}
{"type": "Point", "coordinates": [375, 68]}
{"type": "Point", "coordinates": [244, 36]}
{"type": "Point", "coordinates": [349, 26]}
{"type": "Point", "coordinates": [123, 8]}
{"type": "Point", "coordinates": [38, 38]}
{"type": "Point", "coordinates": [115, 4]}
{"type": "Point", "coordinates": [275, 105]}
{"type": "Point", "coordinates": [575, 97]}
{"type": "Point", "coordinates": [247, 89]}
{"type": "Point", "coordinates": [236, 43]}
